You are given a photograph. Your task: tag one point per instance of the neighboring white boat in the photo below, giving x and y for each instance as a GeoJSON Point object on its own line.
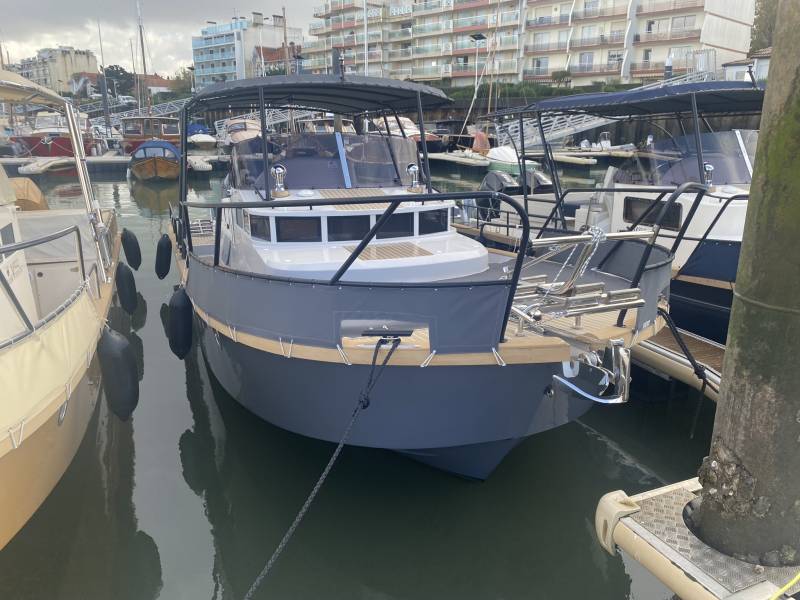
{"type": "Point", "coordinates": [57, 270]}
{"type": "Point", "coordinates": [202, 141]}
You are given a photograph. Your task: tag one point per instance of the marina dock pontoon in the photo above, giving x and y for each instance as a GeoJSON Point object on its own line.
{"type": "Point", "coordinates": [331, 251]}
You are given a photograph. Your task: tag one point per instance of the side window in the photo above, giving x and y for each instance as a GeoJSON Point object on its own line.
{"type": "Point", "coordinates": [259, 227]}
{"type": "Point", "coordinates": [238, 216]}
{"type": "Point", "coordinates": [635, 207]}
{"type": "Point", "coordinates": [6, 237]}
{"type": "Point", "coordinates": [298, 229]}
{"type": "Point", "coordinates": [351, 228]}
{"type": "Point", "coordinates": [398, 225]}
{"type": "Point", "coordinates": [433, 221]}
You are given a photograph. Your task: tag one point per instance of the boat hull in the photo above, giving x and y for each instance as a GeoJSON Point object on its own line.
{"type": "Point", "coordinates": [48, 146]}
{"type": "Point", "coordinates": [31, 471]}
{"type": "Point", "coordinates": [155, 168]}
{"type": "Point", "coordinates": [461, 419]}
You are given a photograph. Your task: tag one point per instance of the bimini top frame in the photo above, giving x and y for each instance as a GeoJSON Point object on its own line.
{"type": "Point", "coordinates": [694, 100]}
{"type": "Point", "coordinates": [342, 94]}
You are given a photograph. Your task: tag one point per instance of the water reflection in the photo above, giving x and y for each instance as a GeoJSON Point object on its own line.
{"type": "Point", "coordinates": [191, 501]}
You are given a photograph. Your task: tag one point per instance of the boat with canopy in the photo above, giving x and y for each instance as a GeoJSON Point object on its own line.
{"type": "Point", "coordinates": [331, 253]}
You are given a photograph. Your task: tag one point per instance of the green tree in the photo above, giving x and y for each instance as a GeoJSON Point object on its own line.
{"type": "Point", "coordinates": [182, 82]}
{"type": "Point", "coordinates": [763, 25]}
{"type": "Point", "coordinates": [124, 79]}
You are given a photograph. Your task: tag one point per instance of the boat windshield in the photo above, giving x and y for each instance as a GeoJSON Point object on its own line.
{"type": "Point", "coordinates": [674, 161]}
{"type": "Point", "coordinates": [326, 160]}
{"type": "Point", "coordinates": [48, 120]}
{"type": "Point", "coordinates": [154, 151]}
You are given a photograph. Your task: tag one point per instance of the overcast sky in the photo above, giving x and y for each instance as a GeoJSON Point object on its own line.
{"type": "Point", "coordinates": [169, 26]}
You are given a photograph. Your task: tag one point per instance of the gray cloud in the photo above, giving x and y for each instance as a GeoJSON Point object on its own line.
{"type": "Point", "coordinates": [169, 25]}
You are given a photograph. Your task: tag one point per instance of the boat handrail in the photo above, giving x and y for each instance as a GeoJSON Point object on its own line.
{"type": "Point", "coordinates": [30, 327]}
{"type": "Point", "coordinates": [392, 201]}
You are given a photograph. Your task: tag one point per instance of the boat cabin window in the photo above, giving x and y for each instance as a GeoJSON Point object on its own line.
{"type": "Point", "coordinates": [259, 227]}
{"type": "Point", "coordinates": [132, 127]}
{"type": "Point", "coordinates": [635, 207]}
{"type": "Point", "coordinates": [298, 229]}
{"type": "Point", "coordinates": [433, 221]}
{"type": "Point", "coordinates": [315, 161]}
{"type": "Point", "coordinates": [154, 151]}
{"type": "Point", "coordinates": [6, 237]}
{"type": "Point", "coordinates": [398, 225]}
{"type": "Point", "coordinates": [348, 229]}
{"type": "Point", "coordinates": [169, 128]}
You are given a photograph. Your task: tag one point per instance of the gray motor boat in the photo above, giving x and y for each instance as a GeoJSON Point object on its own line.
{"type": "Point", "coordinates": [330, 251]}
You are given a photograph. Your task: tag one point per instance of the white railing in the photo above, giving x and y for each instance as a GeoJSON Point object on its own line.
{"type": "Point", "coordinates": [159, 110]}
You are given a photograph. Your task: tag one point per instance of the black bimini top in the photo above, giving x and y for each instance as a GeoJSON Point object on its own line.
{"type": "Point", "coordinates": [712, 97]}
{"type": "Point", "coordinates": [348, 94]}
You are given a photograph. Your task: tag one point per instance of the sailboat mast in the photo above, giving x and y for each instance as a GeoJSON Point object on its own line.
{"type": "Point", "coordinates": [144, 61]}
{"type": "Point", "coordinates": [135, 76]}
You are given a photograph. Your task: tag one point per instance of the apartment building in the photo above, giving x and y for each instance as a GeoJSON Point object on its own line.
{"type": "Point", "coordinates": [437, 39]}
{"type": "Point", "coordinates": [227, 51]}
{"type": "Point", "coordinates": [54, 67]}
{"type": "Point", "coordinates": [574, 42]}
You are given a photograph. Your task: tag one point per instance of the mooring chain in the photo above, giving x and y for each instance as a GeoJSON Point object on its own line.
{"type": "Point", "coordinates": [362, 404]}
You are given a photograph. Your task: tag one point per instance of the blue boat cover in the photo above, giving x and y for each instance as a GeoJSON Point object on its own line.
{"type": "Point", "coordinates": [717, 97]}
{"type": "Point", "coordinates": [159, 144]}
{"type": "Point", "coordinates": [195, 128]}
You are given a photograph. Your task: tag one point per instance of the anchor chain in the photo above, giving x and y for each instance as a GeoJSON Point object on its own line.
{"type": "Point", "coordinates": [362, 403]}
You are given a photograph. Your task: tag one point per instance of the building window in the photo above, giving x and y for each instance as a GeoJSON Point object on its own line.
{"type": "Point", "coordinates": [615, 57]}
{"type": "Point", "coordinates": [541, 65]}
{"type": "Point", "coordinates": [647, 53]}
{"type": "Point", "coordinates": [586, 59]}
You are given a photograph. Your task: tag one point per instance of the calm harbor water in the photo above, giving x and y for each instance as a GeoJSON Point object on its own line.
{"type": "Point", "coordinates": [188, 499]}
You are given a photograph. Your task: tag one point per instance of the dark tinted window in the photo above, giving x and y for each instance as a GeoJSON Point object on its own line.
{"type": "Point", "coordinates": [399, 225]}
{"type": "Point", "coordinates": [432, 221]}
{"type": "Point", "coordinates": [636, 207]}
{"type": "Point", "coordinates": [341, 229]}
{"type": "Point", "coordinates": [259, 227]}
{"type": "Point", "coordinates": [298, 229]}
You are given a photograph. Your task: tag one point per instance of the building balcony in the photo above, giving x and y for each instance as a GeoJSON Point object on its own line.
{"type": "Point", "coordinates": [429, 28]}
{"type": "Point", "coordinates": [215, 70]}
{"type": "Point", "coordinates": [616, 38]}
{"type": "Point", "coordinates": [206, 56]}
{"type": "Point", "coordinates": [212, 42]}
{"type": "Point", "coordinates": [321, 10]}
{"type": "Point", "coordinates": [539, 22]}
{"type": "Point", "coordinates": [542, 74]}
{"type": "Point", "coordinates": [432, 50]}
{"type": "Point", "coordinates": [536, 2]}
{"type": "Point", "coordinates": [509, 18]}
{"type": "Point", "coordinates": [653, 7]}
{"type": "Point", "coordinates": [465, 4]}
{"type": "Point", "coordinates": [508, 42]}
{"type": "Point", "coordinates": [468, 47]}
{"type": "Point", "coordinates": [402, 54]}
{"type": "Point", "coordinates": [652, 68]}
{"type": "Point", "coordinates": [544, 47]}
{"type": "Point", "coordinates": [317, 28]}
{"type": "Point", "coordinates": [399, 11]}
{"type": "Point", "coordinates": [432, 6]}
{"type": "Point", "coordinates": [353, 58]}
{"type": "Point", "coordinates": [597, 13]}
{"type": "Point", "coordinates": [470, 24]}
{"type": "Point", "coordinates": [343, 23]}
{"type": "Point", "coordinates": [317, 46]}
{"type": "Point", "coordinates": [399, 34]}
{"type": "Point", "coordinates": [421, 73]}
{"type": "Point", "coordinates": [589, 69]}
{"type": "Point", "coordinates": [401, 73]}
{"type": "Point", "coordinates": [657, 37]}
